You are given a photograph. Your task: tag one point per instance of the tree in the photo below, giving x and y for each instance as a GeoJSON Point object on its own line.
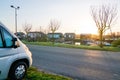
{"type": "Point", "coordinates": [54, 25]}
{"type": "Point", "coordinates": [27, 27]}
{"type": "Point", "coordinates": [103, 16]}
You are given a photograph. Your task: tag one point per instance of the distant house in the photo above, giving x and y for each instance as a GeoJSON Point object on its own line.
{"type": "Point", "coordinates": [58, 37]}
{"type": "Point", "coordinates": [36, 36]}
{"type": "Point", "coordinates": [20, 35]}
{"type": "Point", "coordinates": [69, 36]}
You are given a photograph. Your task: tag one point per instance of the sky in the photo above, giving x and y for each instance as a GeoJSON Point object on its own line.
{"type": "Point", "coordinates": [73, 15]}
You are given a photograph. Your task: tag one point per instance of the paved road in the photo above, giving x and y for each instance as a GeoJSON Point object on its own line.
{"type": "Point", "coordinates": [77, 63]}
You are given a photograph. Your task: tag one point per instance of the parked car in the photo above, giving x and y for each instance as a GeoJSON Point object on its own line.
{"type": "Point", "coordinates": [107, 44]}
{"type": "Point", "coordinates": [15, 57]}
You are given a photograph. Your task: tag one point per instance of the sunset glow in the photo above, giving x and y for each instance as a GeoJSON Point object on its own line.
{"type": "Point", "coordinates": [74, 15]}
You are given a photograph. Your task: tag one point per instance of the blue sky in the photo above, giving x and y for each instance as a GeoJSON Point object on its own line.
{"type": "Point", "coordinates": [74, 15]}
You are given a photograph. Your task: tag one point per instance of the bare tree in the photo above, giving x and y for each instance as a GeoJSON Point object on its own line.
{"type": "Point", "coordinates": [27, 27]}
{"type": "Point", "coordinates": [54, 25]}
{"type": "Point", "coordinates": [46, 30]}
{"type": "Point", "coordinates": [103, 16]}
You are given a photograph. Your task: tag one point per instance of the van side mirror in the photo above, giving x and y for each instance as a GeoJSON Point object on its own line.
{"type": "Point", "coordinates": [15, 43]}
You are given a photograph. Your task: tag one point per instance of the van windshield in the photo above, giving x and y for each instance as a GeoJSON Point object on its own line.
{"type": "Point", "coordinates": [8, 38]}
{"type": "Point", "coordinates": [1, 43]}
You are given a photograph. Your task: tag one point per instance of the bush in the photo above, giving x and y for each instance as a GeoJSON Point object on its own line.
{"type": "Point", "coordinates": [116, 43]}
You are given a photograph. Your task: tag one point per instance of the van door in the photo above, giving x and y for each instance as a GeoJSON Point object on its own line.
{"type": "Point", "coordinates": [6, 51]}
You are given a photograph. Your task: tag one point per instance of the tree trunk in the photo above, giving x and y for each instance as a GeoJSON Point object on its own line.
{"type": "Point", "coordinates": [101, 38]}
{"type": "Point", "coordinates": [53, 40]}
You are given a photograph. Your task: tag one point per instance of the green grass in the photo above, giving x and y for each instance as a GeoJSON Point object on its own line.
{"type": "Point", "coordinates": [105, 48]}
{"type": "Point", "coordinates": [34, 74]}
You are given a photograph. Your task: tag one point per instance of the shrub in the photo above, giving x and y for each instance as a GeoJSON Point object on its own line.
{"type": "Point", "coordinates": [116, 43]}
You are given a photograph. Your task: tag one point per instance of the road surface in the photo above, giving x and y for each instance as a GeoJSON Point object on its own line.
{"type": "Point", "coordinates": [77, 63]}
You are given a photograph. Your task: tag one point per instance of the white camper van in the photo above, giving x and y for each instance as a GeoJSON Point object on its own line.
{"type": "Point", "coordinates": [15, 57]}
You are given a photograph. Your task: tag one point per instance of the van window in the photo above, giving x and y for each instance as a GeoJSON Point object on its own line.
{"type": "Point", "coordinates": [7, 38]}
{"type": "Point", "coordinates": [1, 42]}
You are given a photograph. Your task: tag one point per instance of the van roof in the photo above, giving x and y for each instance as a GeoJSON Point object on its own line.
{"type": "Point", "coordinates": [2, 25]}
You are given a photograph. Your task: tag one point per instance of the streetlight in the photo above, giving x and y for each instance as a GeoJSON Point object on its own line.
{"type": "Point", "coordinates": [16, 8]}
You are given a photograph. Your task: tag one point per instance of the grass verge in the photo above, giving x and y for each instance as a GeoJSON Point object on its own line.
{"type": "Point", "coordinates": [34, 74]}
{"type": "Point", "coordinates": [105, 48]}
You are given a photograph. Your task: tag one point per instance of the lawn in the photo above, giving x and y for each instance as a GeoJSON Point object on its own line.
{"type": "Point", "coordinates": [34, 74]}
{"type": "Point", "coordinates": [105, 48]}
